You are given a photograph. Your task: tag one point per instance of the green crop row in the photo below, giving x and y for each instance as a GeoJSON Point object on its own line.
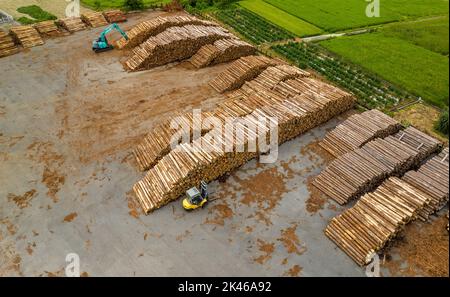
{"type": "Point", "coordinates": [371, 91]}
{"type": "Point", "coordinates": [252, 26]}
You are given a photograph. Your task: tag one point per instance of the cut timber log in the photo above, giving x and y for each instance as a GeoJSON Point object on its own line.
{"type": "Point", "coordinates": [94, 19]}
{"type": "Point", "coordinates": [240, 71]}
{"type": "Point", "coordinates": [27, 36]}
{"type": "Point", "coordinates": [143, 31]}
{"type": "Point", "coordinates": [358, 130]}
{"type": "Point", "coordinates": [7, 45]}
{"type": "Point", "coordinates": [174, 44]}
{"type": "Point", "coordinates": [360, 171]}
{"type": "Point", "coordinates": [376, 219]}
{"type": "Point", "coordinates": [115, 16]}
{"type": "Point", "coordinates": [72, 24]}
{"type": "Point", "coordinates": [47, 28]}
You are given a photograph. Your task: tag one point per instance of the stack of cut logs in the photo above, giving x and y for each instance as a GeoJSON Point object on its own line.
{"type": "Point", "coordinates": [94, 19]}
{"type": "Point", "coordinates": [7, 45]}
{"type": "Point", "coordinates": [222, 51]}
{"type": "Point", "coordinates": [360, 171]}
{"type": "Point", "coordinates": [240, 71]}
{"type": "Point", "coordinates": [47, 28]}
{"type": "Point", "coordinates": [432, 179]}
{"type": "Point", "coordinates": [72, 24]}
{"type": "Point", "coordinates": [115, 16]}
{"type": "Point", "coordinates": [188, 164]}
{"type": "Point", "coordinates": [27, 36]}
{"type": "Point", "coordinates": [205, 56]}
{"type": "Point", "coordinates": [271, 78]}
{"type": "Point", "coordinates": [357, 130]}
{"type": "Point", "coordinates": [422, 142]}
{"type": "Point", "coordinates": [174, 44]}
{"type": "Point", "coordinates": [143, 31]}
{"type": "Point", "coordinates": [376, 218]}
{"type": "Point", "coordinates": [159, 141]}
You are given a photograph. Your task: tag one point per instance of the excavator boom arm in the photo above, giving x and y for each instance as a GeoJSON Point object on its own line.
{"type": "Point", "coordinates": [109, 29]}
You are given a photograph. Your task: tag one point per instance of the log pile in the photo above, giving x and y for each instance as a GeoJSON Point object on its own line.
{"type": "Point", "coordinates": [47, 28]}
{"type": "Point", "coordinates": [174, 44]}
{"type": "Point", "coordinates": [204, 56]}
{"type": "Point", "coordinates": [7, 45]}
{"type": "Point", "coordinates": [360, 171]}
{"type": "Point", "coordinates": [143, 31]}
{"type": "Point", "coordinates": [422, 142]}
{"type": "Point", "coordinates": [115, 16]}
{"type": "Point", "coordinates": [188, 164]}
{"type": "Point", "coordinates": [240, 71]}
{"type": "Point", "coordinates": [357, 130]}
{"type": "Point", "coordinates": [159, 141]}
{"type": "Point", "coordinates": [27, 36]}
{"type": "Point", "coordinates": [232, 49]}
{"type": "Point", "coordinates": [376, 219]}
{"type": "Point", "coordinates": [72, 24]}
{"type": "Point", "coordinates": [432, 178]}
{"type": "Point", "coordinates": [270, 78]}
{"type": "Point", "coordinates": [222, 51]}
{"type": "Point", "coordinates": [94, 19]}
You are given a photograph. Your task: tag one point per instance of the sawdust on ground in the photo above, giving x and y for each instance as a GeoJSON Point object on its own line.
{"type": "Point", "coordinates": [424, 248]}
{"type": "Point", "coordinates": [316, 200]}
{"type": "Point", "coordinates": [290, 240]}
{"type": "Point", "coordinates": [267, 249]}
{"type": "Point", "coordinates": [294, 271]}
{"type": "Point", "coordinates": [70, 217]}
{"type": "Point", "coordinates": [221, 213]}
{"type": "Point", "coordinates": [22, 201]}
{"type": "Point", "coordinates": [263, 191]}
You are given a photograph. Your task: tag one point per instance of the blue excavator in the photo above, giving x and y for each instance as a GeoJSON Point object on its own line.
{"type": "Point", "coordinates": [101, 44]}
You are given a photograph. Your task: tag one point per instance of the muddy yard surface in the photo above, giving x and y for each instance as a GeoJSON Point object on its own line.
{"type": "Point", "coordinates": [69, 120]}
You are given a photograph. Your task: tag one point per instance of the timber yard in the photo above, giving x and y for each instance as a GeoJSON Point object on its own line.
{"type": "Point", "coordinates": [89, 167]}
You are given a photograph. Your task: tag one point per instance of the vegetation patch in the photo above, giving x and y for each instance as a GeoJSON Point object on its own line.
{"type": "Point", "coordinates": [280, 18]}
{"type": "Point", "coordinates": [251, 26]}
{"type": "Point", "coordinates": [371, 91]}
{"type": "Point", "coordinates": [422, 116]}
{"type": "Point", "coordinates": [442, 124]}
{"type": "Point", "coordinates": [416, 69]}
{"type": "Point", "coordinates": [431, 34]}
{"type": "Point", "coordinates": [36, 13]}
{"type": "Point", "coordinates": [335, 15]}
{"type": "Point", "coordinates": [124, 4]}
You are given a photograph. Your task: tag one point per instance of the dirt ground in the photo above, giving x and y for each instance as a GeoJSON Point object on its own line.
{"type": "Point", "coordinates": [68, 122]}
{"type": "Point", "coordinates": [423, 117]}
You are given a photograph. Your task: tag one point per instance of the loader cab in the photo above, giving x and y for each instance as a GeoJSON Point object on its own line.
{"type": "Point", "coordinates": [196, 198]}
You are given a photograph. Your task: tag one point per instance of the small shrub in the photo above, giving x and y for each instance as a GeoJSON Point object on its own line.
{"type": "Point", "coordinates": [134, 4]}
{"type": "Point", "coordinates": [36, 13]}
{"type": "Point", "coordinates": [26, 21]}
{"type": "Point", "coordinates": [442, 124]}
{"type": "Point", "coordinates": [97, 4]}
